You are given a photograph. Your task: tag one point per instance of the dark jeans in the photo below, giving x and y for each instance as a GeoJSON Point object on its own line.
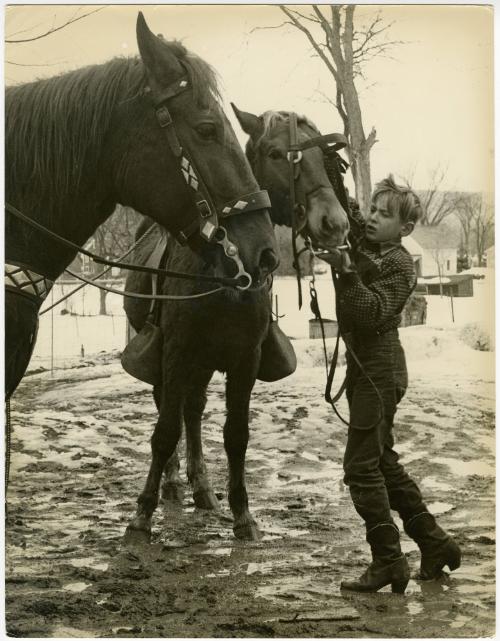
{"type": "Point", "coordinates": [376, 480]}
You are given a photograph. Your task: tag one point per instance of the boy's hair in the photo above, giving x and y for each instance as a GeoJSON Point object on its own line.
{"type": "Point", "coordinates": [402, 200]}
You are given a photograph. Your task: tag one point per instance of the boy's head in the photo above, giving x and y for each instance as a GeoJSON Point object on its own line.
{"type": "Point", "coordinates": [394, 211]}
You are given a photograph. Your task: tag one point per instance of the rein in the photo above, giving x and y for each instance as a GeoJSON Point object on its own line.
{"type": "Point", "coordinates": [111, 263]}
{"type": "Point", "coordinates": [335, 166]}
{"type": "Point", "coordinates": [127, 294]}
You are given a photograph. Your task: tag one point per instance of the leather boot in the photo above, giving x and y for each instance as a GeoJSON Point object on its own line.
{"type": "Point", "coordinates": [436, 546]}
{"type": "Point", "coordinates": [389, 565]}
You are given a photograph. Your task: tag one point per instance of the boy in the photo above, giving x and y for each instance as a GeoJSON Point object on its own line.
{"type": "Point", "coordinates": [370, 297]}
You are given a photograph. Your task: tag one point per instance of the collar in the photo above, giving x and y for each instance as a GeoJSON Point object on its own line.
{"type": "Point", "coordinates": [383, 248]}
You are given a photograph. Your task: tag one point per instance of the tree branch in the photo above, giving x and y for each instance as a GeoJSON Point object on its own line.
{"type": "Point", "coordinates": [311, 39]}
{"type": "Point", "coordinates": [54, 29]}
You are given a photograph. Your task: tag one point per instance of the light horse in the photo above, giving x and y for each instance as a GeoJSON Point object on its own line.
{"type": "Point", "coordinates": [224, 331]}
{"type": "Point", "coordinates": [146, 132]}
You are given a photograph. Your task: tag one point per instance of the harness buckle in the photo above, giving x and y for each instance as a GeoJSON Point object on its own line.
{"type": "Point", "coordinates": [294, 156]}
{"type": "Point", "coordinates": [163, 116]}
{"type": "Point", "coordinates": [204, 209]}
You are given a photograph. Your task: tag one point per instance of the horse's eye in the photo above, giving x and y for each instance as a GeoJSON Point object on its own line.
{"type": "Point", "coordinates": [207, 131]}
{"type": "Point", "coordinates": [275, 154]}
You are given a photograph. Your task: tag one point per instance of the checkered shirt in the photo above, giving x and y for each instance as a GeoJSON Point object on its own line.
{"type": "Point", "coordinates": [372, 297]}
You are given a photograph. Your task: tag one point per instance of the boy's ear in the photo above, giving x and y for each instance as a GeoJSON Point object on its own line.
{"type": "Point", "coordinates": [407, 228]}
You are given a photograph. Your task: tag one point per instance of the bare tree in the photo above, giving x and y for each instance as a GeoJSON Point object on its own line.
{"type": "Point", "coordinates": [343, 47]}
{"type": "Point", "coordinates": [483, 222]}
{"type": "Point", "coordinates": [437, 203]}
{"type": "Point", "coordinates": [467, 206]}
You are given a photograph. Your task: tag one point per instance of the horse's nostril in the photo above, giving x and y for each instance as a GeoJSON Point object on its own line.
{"type": "Point", "coordinates": [268, 260]}
{"type": "Point", "coordinates": [328, 224]}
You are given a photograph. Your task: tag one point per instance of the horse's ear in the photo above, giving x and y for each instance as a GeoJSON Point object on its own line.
{"type": "Point", "coordinates": [251, 125]}
{"type": "Point", "coordinates": [160, 62]}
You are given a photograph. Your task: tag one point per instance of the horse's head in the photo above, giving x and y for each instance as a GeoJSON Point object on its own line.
{"type": "Point", "coordinates": [180, 162]}
{"type": "Point", "coordinates": [324, 219]}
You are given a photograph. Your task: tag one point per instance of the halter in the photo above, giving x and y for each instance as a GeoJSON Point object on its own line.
{"type": "Point", "coordinates": [21, 279]}
{"type": "Point", "coordinates": [335, 166]}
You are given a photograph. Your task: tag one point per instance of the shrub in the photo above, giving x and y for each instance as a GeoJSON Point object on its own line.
{"type": "Point", "coordinates": [476, 336]}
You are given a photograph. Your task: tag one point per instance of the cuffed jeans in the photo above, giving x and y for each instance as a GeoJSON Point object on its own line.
{"type": "Point", "coordinates": [377, 481]}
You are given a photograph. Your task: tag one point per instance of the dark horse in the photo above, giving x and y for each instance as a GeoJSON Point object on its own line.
{"type": "Point", "coordinates": [224, 331]}
{"type": "Point", "coordinates": [146, 132]}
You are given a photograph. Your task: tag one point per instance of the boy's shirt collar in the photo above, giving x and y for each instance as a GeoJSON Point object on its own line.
{"type": "Point", "coordinates": [382, 248]}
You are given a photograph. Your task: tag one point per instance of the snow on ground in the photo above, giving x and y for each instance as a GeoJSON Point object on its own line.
{"type": "Point", "coordinates": [65, 336]}
{"type": "Point", "coordinates": [80, 453]}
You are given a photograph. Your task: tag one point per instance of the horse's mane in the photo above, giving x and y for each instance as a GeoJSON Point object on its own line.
{"type": "Point", "coordinates": [55, 126]}
{"type": "Point", "coordinates": [270, 120]}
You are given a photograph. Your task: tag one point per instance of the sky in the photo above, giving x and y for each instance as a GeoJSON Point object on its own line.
{"type": "Point", "coordinates": [431, 101]}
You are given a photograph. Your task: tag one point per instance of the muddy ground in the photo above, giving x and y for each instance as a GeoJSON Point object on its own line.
{"type": "Point", "coordinates": [80, 454]}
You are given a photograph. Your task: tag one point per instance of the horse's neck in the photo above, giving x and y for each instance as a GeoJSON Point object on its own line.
{"type": "Point", "coordinates": [71, 208]}
{"type": "Point", "coordinates": [39, 251]}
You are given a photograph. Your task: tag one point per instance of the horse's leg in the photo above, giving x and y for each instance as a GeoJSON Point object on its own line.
{"type": "Point", "coordinates": [240, 382]}
{"type": "Point", "coordinates": [196, 400]}
{"type": "Point", "coordinates": [172, 488]}
{"type": "Point", "coordinates": [163, 443]}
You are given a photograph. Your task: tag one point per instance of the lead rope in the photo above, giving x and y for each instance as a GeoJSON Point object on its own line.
{"type": "Point", "coordinates": [330, 372]}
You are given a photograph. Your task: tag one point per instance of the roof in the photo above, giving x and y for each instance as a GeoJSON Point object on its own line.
{"type": "Point", "coordinates": [433, 237]}
{"type": "Point", "coordinates": [445, 280]}
{"type": "Point", "coordinates": [411, 245]}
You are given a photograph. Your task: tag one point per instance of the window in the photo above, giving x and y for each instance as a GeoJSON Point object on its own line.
{"type": "Point", "coordinates": [447, 265]}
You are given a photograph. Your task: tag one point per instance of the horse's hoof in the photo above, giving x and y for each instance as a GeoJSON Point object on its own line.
{"type": "Point", "coordinates": [206, 500]}
{"type": "Point", "coordinates": [135, 537]}
{"type": "Point", "coordinates": [247, 532]}
{"type": "Point", "coordinates": [173, 492]}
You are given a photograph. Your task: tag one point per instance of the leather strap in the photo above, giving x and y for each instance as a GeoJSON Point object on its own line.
{"type": "Point", "coordinates": [251, 202]}
{"type": "Point", "coordinates": [22, 280]}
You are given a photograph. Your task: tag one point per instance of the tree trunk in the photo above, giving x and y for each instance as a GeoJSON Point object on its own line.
{"type": "Point", "coordinates": [360, 146]}
{"type": "Point", "coordinates": [102, 302]}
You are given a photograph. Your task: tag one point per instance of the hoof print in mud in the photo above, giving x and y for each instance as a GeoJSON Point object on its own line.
{"type": "Point", "coordinates": [133, 536]}
{"type": "Point", "coordinates": [247, 532]}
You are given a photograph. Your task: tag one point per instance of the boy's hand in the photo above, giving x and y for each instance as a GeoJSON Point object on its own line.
{"type": "Point", "coordinates": [338, 259]}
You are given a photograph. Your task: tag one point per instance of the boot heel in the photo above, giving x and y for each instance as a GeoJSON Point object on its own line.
{"type": "Point", "coordinates": [399, 587]}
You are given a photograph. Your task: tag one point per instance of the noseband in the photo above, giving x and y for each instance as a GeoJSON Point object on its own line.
{"type": "Point", "coordinates": [335, 166]}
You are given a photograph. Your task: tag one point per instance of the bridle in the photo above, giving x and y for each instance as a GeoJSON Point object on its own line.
{"type": "Point", "coordinates": [335, 166]}
{"type": "Point", "coordinates": [203, 215]}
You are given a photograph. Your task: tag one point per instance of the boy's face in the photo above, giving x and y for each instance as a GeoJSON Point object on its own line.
{"type": "Point", "coordinates": [383, 223]}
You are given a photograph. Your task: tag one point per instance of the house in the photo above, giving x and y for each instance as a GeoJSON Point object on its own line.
{"type": "Point", "coordinates": [434, 249]}
{"type": "Point", "coordinates": [456, 285]}
{"type": "Point", "coordinates": [83, 265]}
